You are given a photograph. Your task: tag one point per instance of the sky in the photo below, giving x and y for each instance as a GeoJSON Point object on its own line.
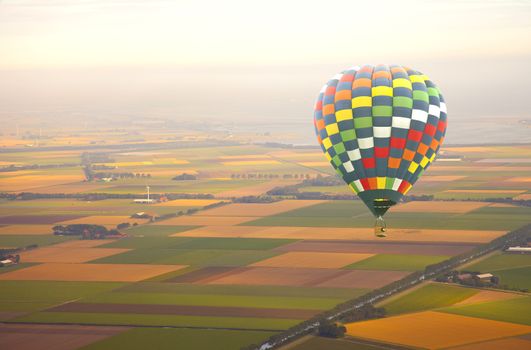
{"type": "Point", "coordinates": [253, 62]}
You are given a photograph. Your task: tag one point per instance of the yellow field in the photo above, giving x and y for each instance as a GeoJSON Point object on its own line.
{"type": "Point", "coordinates": [201, 220]}
{"type": "Point", "coordinates": [317, 164]}
{"type": "Point", "coordinates": [523, 197]}
{"type": "Point", "coordinates": [104, 220]}
{"type": "Point", "coordinates": [246, 156]}
{"type": "Point", "coordinates": [409, 235]}
{"type": "Point", "coordinates": [26, 182]}
{"type": "Point", "coordinates": [519, 179]}
{"type": "Point", "coordinates": [500, 344]}
{"type": "Point", "coordinates": [484, 191]}
{"type": "Point", "coordinates": [434, 330]}
{"type": "Point", "coordinates": [70, 255]}
{"type": "Point", "coordinates": [438, 207]}
{"type": "Point", "coordinates": [188, 203]}
{"type": "Point", "coordinates": [250, 162]}
{"type": "Point", "coordinates": [26, 230]}
{"type": "Point", "coordinates": [477, 149]}
{"type": "Point", "coordinates": [485, 296]}
{"type": "Point", "coordinates": [503, 205]}
{"type": "Point", "coordinates": [258, 209]}
{"type": "Point", "coordinates": [442, 178]}
{"type": "Point", "coordinates": [89, 272]}
{"type": "Point", "coordinates": [74, 187]}
{"type": "Point", "coordinates": [285, 154]}
{"type": "Point", "coordinates": [313, 259]}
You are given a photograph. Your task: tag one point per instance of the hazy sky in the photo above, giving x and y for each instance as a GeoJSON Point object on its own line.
{"type": "Point", "coordinates": [250, 60]}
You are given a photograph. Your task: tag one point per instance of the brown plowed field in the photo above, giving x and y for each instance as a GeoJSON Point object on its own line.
{"type": "Point", "coordinates": [68, 255]}
{"type": "Point", "coordinates": [363, 279]}
{"type": "Point", "coordinates": [88, 272]}
{"type": "Point", "coordinates": [64, 337]}
{"type": "Point", "coordinates": [188, 310]}
{"type": "Point", "coordinates": [434, 330]}
{"type": "Point", "coordinates": [313, 259]}
{"type": "Point", "coordinates": [259, 209]}
{"type": "Point", "coordinates": [276, 276]}
{"type": "Point", "coordinates": [419, 248]}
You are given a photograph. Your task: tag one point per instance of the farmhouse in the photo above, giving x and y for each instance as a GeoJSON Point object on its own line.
{"type": "Point", "coordinates": [144, 201]}
{"type": "Point", "coordinates": [518, 249]}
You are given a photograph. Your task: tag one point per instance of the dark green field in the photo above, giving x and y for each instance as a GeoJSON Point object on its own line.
{"type": "Point", "coordinates": [245, 323]}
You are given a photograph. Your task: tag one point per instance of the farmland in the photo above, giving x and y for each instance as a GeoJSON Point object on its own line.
{"type": "Point", "coordinates": [205, 257]}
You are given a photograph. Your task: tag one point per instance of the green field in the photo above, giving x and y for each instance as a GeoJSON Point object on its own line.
{"type": "Point", "coordinates": [36, 295]}
{"type": "Point", "coordinates": [159, 320]}
{"type": "Point", "coordinates": [195, 257]}
{"type": "Point", "coordinates": [511, 310]}
{"type": "Point", "coordinates": [171, 339]}
{"type": "Point", "coordinates": [515, 278]}
{"type": "Point", "coordinates": [430, 296]}
{"type": "Point", "coordinates": [397, 262]}
{"type": "Point", "coordinates": [253, 301]}
{"type": "Point", "coordinates": [501, 262]}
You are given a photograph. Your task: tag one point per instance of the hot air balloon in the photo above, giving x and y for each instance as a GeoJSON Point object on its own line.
{"type": "Point", "coordinates": [380, 127]}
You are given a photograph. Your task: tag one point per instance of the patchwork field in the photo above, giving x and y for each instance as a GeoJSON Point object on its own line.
{"type": "Point", "coordinates": [254, 268]}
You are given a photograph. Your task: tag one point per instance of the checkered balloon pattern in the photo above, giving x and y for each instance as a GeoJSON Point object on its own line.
{"type": "Point", "coordinates": [380, 126]}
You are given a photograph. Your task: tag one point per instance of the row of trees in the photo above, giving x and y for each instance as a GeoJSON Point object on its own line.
{"type": "Point", "coordinates": [86, 231]}
{"type": "Point", "coordinates": [342, 311]}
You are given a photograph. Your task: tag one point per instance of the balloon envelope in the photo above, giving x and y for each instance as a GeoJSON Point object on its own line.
{"type": "Point", "coordinates": [380, 127]}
